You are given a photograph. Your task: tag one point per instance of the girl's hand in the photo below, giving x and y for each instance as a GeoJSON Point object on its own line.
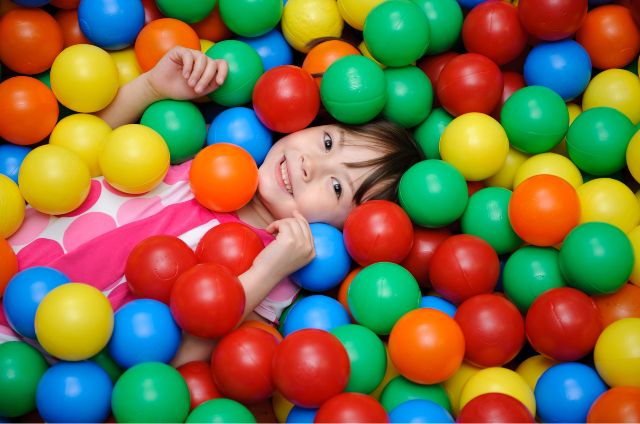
{"type": "Point", "coordinates": [184, 74]}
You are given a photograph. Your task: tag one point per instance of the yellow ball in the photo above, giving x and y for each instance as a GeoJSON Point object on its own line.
{"type": "Point", "coordinates": [505, 176]}
{"type": "Point", "coordinates": [84, 135]}
{"type": "Point", "coordinates": [531, 369]}
{"type": "Point", "coordinates": [390, 373]}
{"type": "Point", "coordinates": [617, 353]}
{"type": "Point", "coordinates": [355, 11]}
{"type": "Point", "coordinates": [366, 53]}
{"type": "Point", "coordinates": [127, 65]}
{"type": "Point", "coordinates": [74, 321]}
{"type": "Point", "coordinates": [84, 78]}
{"type": "Point", "coordinates": [634, 238]}
{"type": "Point", "coordinates": [498, 380]}
{"type": "Point", "coordinates": [549, 163]}
{"type": "Point", "coordinates": [633, 156]}
{"type": "Point", "coordinates": [54, 180]}
{"type": "Point", "coordinates": [11, 207]}
{"type": "Point", "coordinates": [476, 145]}
{"type": "Point", "coordinates": [281, 407]}
{"type": "Point", "coordinates": [614, 88]}
{"type": "Point", "coordinates": [135, 159]}
{"type": "Point", "coordinates": [455, 384]}
{"type": "Point", "coordinates": [609, 200]}
{"type": "Point", "coordinates": [306, 20]}
{"type": "Point", "coordinates": [206, 45]}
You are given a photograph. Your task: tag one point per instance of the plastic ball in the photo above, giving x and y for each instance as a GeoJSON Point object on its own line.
{"type": "Point", "coordinates": [505, 176]}
{"type": "Point", "coordinates": [111, 24]}
{"type": "Point", "coordinates": [207, 300]}
{"type": "Point", "coordinates": [74, 392]}
{"type": "Point", "coordinates": [543, 209]}
{"type": "Point", "coordinates": [272, 49]}
{"type": "Point", "coordinates": [150, 392]}
{"type": "Point", "coordinates": [563, 324]}
{"type": "Point", "coordinates": [197, 375]}
{"type": "Point", "coordinates": [634, 238]}
{"type": "Point", "coordinates": [513, 81]}
{"type": "Point", "coordinates": [221, 410]}
{"type": "Point", "coordinates": [321, 56]}
{"type": "Point", "coordinates": [453, 386]}
{"type": "Point", "coordinates": [551, 164]}
{"type": "Point", "coordinates": [11, 158]}
{"type": "Point", "coordinates": [161, 35]}
{"type": "Point", "coordinates": [470, 82]}
{"type": "Point", "coordinates": [381, 294]}
{"type": "Point", "coordinates": [127, 64]}
{"type": "Point", "coordinates": [378, 231]}
{"type": "Point", "coordinates": [400, 390]}
{"type": "Point", "coordinates": [65, 4]}
{"type": "Point", "coordinates": [493, 408]}
{"type": "Point", "coordinates": [552, 20]}
{"type": "Point", "coordinates": [529, 272]}
{"type": "Point", "coordinates": [616, 353]}
{"type": "Point", "coordinates": [310, 366]}
{"type": "Point", "coordinates": [300, 27]}
{"type": "Point", "coordinates": [211, 28]}
{"type": "Point", "coordinates": [563, 66]}
{"type": "Point", "coordinates": [351, 407]}
{"type": "Point", "coordinates": [250, 18]}
{"type": "Point", "coordinates": [428, 133]}
{"type": "Point", "coordinates": [433, 66]}
{"type": "Point", "coordinates": [317, 311]}
{"type": "Point", "coordinates": [353, 89]}
{"type": "Point", "coordinates": [418, 261]}
{"type": "Point", "coordinates": [190, 13]}
{"type": "Point", "coordinates": [354, 12]}
{"type": "Point", "coordinates": [282, 407]}
{"type": "Point", "coordinates": [625, 303]}
{"type": "Point", "coordinates": [445, 23]}
{"type": "Point", "coordinates": [70, 26]}
{"type": "Point", "coordinates": [498, 380]}
{"type": "Point", "coordinates": [286, 99]}
{"type": "Point", "coordinates": [231, 244]}
{"type": "Point", "coordinates": [620, 404]}
{"type": "Point", "coordinates": [9, 264]}
{"type": "Point", "coordinates": [31, 40]}
{"type": "Point", "coordinates": [12, 207]}
{"type": "Point", "coordinates": [438, 303]}
{"type": "Point", "coordinates": [301, 415]}
{"type": "Point", "coordinates": [608, 200]}
{"type": "Point", "coordinates": [614, 88]}
{"type": "Point", "coordinates": [425, 337]}
{"type": "Point", "coordinates": [21, 368]}
{"type": "Point", "coordinates": [464, 266]}
{"type": "Point", "coordinates": [397, 33]}
{"type": "Point", "coordinates": [532, 368]}
{"type": "Point", "coordinates": [419, 410]}
{"type": "Point", "coordinates": [409, 96]}
{"type": "Point", "coordinates": [633, 157]}
{"type": "Point", "coordinates": [30, 110]}
{"type": "Point", "coordinates": [430, 183]}
{"type": "Point", "coordinates": [245, 68]}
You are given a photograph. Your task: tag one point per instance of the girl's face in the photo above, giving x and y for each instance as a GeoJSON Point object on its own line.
{"type": "Point", "coordinates": [307, 171]}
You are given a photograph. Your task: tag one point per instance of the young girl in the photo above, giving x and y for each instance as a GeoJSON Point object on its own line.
{"type": "Point", "coordinates": [318, 174]}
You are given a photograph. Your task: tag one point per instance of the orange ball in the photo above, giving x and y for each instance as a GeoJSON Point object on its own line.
{"type": "Point", "coordinates": [263, 326]}
{"type": "Point", "coordinates": [31, 40]}
{"type": "Point", "coordinates": [8, 264]}
{"type": "Point", "coordinates": [543, 209]}
{"type": "Point", "coordinates": [223, 177]}
{"type": "Point", "coordinates": [625, 303]}
{"type": "Point", "coordinates": [344, 288]}
{"type": "Point", "coordinates": [426, 346]}
{"type": "Point", "coordinates": [610, 36]}
{"type": "Point", "coordinates": [71, 33]}
{"type": "Point", "coordinates": [28, 110]}
{"type": "Point", "coordinates": [212, 27]}
{"type": "Point", "coordinates": [160, 36]}
{"type": "Point", "coordinates": [616, 405]}
{"type": "Point", "coordinates": [323, 55]}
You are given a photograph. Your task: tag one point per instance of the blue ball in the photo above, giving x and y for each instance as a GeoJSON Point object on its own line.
{"type": "Point", "coordinates": [419, 411]}
{"type": "Point", "coordinates": [470, 4]}
{"type": "Point", "coordinates": [272, 48]}
{"type": "Point", "coordinates": [31, 3]}
{"type": "Point", "coordinates": [111, 24]}
{"type": "Point", "coordinates": [317, 311]}
{"type": "Point", "coordinates": [241, 126]}
{"type": "Point", "coordinates": [599, 2]}
{"type": "Point", "coordinates": [11, 157]}
{"type": "Point", "coordinates": [442, 305]}
{"type": "Point", "coordinates": [565, 392]}
{"type": "Point", "coordinates": [299, 414]}
{"type": "Point", "coordinates": [24, 293]}
{"type": "Point", "coordinates": [144, 331]}
{"type": "Point", "coordinates": [563, 66]}
{"type": "Point", "coordinates": [74, 392]}
{"type": "Point", "coordinates": [331, 264]}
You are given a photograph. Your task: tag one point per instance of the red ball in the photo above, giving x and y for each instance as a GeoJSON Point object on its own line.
{"type": "Point", "coordinates": [563, 324]}
{"type": "Point", "coordinates": [493, 330]}
{"type": "Point", "coordinates": [231, 244]}
{"type": "Point", "coordinates": [432, 66]}
{"type": "Point", "coordinates": [351, 408]}
{"type": "Point", "coordinates": [495, 408]}
{"type": "Point", "coordinates": [513, 82]}
{"type": "Point", "coordinates": [286, 99]}
{"type": "Point", "coordinates": [425, 243]}
{"type": "Point", "coordinates": [464, 266]}
{"type": "Point", "coordinates": [470, 82]}
{"type": "Point", "coordinates": [207, 300]}
{"type": "Point", "coordinates": [493, 29]}
{"type": "Point", "coordinates": [197, 375]}
{"type": "Point", "coordinates": [616, 405]}
{"type": "Point", "coordinates": [154, 265]}
{"type": "Point", "coordinates": [378, 231]}
{"type": "Point", "coordinates": [552, 20]}
{"type": "Point", "coordinates": [241, 364]}
{"type": "Point", "coordinates": [310, 367]}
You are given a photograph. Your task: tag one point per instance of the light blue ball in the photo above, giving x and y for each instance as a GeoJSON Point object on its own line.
{"type": "Point", "coordinates": [111, 24]}
{"type": "Point", "coordinates": [318, 311]}
{"type": "Point", "coordinates": [272, 48]}
{"type": "Point", "coordinates": [11, 158]}
{"type": "Point", "coordinates": [420, 411]}
{"type": "Point", "coordinates": [442, 305]}
{"type": "Point", "coordinates": [299, 414]}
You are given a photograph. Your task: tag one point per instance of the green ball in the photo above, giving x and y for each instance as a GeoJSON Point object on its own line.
{"type": "Point", "coordinates": [428, 133]}
{"type": "Point", "coordinates": [187, 11]}
{"type": "Point", "coordinates": [597, 141]}
{"type": "Point", "coordinates": [433, 193]}
{"type": "Point", "coordinates": [529, 272]}
{"type": "Point", "coordinates": [245, 68]}
{"type": "Point", "coordinates": [397, 32]}
{"type": "Point", "coordinates": [409, 96]}
{"type": "Point", "coordinates": [487, 217]}
{"type": "Point", "coordinates": [151, 392]}
{"type": "Point", "coordinates": [353, 89]}
{"type": "Point", "coordinates": [21, 367]}
{"type": "Point", "coordinates": [535, 119]}
{"type": "Point", "coordinates": [596, 258]}
{"type": "Point", "coordinates": [382, 293]}
{"type": "Point", "coordinates": [251, 18]}
{"type": "Point", "coordinates": [400, 390]}
{"type": "Point", "coordinates": [367, 356]}
{"type": "Point", "coordinates": [181, 125]}
{"type": "Point", "coordinates": [221, 410]}
{"type": "Point", "coordinates": [445, 22]}
{"type": "Point", "coordinates": [106, 362]}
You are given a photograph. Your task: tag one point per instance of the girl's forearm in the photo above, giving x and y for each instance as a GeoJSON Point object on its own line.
{"type": "Point", "coordinates": [257, 283]}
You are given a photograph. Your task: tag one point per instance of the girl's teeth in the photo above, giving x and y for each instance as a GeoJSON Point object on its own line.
{"type": "Point", "coordinates": [285, 177]}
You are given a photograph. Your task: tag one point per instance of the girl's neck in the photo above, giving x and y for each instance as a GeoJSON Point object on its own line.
{"type": "Point", "coordinates": [255, 213]}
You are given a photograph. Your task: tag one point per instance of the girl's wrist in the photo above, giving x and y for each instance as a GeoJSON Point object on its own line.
{"type": "Point", "coordinates": [149, 92]}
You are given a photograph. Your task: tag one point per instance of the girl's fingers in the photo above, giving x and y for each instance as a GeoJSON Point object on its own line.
{"type": "Point", "coordinates": [207, 76]}
{"type": "Point", "coordinates": [187, 64]}
{"type": "Point", "coordinates": [223, 69]}
{"type": "Point", "coordinates": [198, 68]}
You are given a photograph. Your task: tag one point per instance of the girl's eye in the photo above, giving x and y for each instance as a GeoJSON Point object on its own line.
{"type": "Point", "coordinates": [328, 142]}
{"type": "Point", "coordinates": [337, 187]}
